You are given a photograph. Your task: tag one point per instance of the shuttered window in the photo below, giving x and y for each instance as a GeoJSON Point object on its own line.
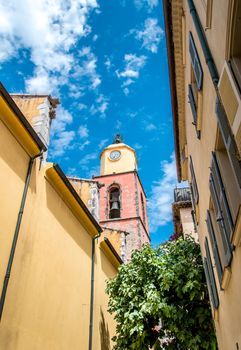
{"type": "Point", "coordinates": [194, 187]}
{"type": "Point", "coordinates": [228, 139]}
{"type": "Point", "coordinates": [221, 207]}
{"type": "Point", "coordinates": [197, 68]}
{"type": "Point", "coordinates": [212, 236]}
{"type": "Point", "coordinates": [207, 263]}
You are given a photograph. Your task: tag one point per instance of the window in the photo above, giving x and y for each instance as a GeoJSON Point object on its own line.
{"type": "Point", "coordinates": [194, 188]}
{"type": "Point", "coordinates": [208, 268]}
{"type": "Point", "coordinates": [114, 202]}
{"type": "Point", "coordinates": [195, 86]}
{"type": "Point", "coordinates": [235, 47]}
{"type": "Point", "coordinates": [228, 140]}
{"type": "Point", "coordinates": [143, 209]}
{"type": "Point", "coordinates": [214, 244]}
{"type": "Point", "coordinates": [221, 208]}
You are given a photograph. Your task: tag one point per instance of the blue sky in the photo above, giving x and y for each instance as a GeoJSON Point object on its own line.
{"type": "Point", "coordinates": [106, 61]}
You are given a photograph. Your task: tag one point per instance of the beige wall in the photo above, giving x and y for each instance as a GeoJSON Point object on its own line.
{"type": "Point", "coordinates": [187, 223]}
{"type": "Point", "coordinates": [228, 315]}
{"type": "Point", "coordinates": [104, 327]}
{"type": "Point", "coordinates": [47, 304]}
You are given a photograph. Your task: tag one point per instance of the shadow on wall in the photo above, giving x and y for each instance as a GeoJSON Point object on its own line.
{"type": "Point", "coordinates": [104, 333]}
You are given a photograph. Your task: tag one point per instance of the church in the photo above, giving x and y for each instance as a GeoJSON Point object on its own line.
{"type": "Point", "coordinates": [61, 237]}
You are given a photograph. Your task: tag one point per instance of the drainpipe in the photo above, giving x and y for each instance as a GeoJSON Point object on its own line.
{"type": "Point", "coordinates": [203, 41]}
{"type": "Point", "coordinates": [92, 290]}
{"type": "Point", "coordinates": [16, 233]}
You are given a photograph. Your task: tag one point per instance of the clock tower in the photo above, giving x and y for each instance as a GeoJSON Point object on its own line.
{"type": "Point", "coordinates": [122, 196]}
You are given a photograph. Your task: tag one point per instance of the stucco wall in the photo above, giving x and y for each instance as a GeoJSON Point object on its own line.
{"type": "Point", "coordinates": [104, 327]}
{"type": "Point", "coordinates": [228, 315]}
{"type": "Point", "coordinates": [48, 298]}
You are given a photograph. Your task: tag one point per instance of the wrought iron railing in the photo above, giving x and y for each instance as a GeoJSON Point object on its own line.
{"type": "Point", "coordinates": [182, 194]}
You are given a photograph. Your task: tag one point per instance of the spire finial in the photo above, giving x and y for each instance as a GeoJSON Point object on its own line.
{"type": "Point", "coordinates": [118, 139]}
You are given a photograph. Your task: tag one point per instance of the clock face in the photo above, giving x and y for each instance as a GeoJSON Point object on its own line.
{"type": "Point", "coordinates": [114, 155]}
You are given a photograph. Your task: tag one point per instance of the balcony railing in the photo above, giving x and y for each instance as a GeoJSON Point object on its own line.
{"type": "Point", "coordinates": [182, 194]}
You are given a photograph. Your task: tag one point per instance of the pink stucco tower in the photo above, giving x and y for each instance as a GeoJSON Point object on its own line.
{"type": "Point", "coordinates": [122, 196]}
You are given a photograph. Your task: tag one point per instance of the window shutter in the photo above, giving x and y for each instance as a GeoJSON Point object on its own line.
{"type": "Point", "coordinates": [213, 241]}
{"type": "Point", "coordinates": [210, 277]}
{"type": "Point", "coordinates": [197, 68]}
{"type": "Point", "coordinates": [194, 187]}
{"type": "Point", "coordinates": [223, 216]}
{"type": "Point", "coordinates": [228, 140]}
{"type": "Point", "coordinates": [225, 210]}
{"type": "Point", "coordinates": [192, 104]}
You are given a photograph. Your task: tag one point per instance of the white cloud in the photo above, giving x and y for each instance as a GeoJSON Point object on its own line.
{"type": "Point", "coordinates": [102, 143]}
{"type": "Point", "coordinates": [49, 30]}
{"type": "Point", "coordinates": [83, 131]}
{"type": "Point", "coordinates": [81, 106]}
{"type": "Point", "coordinates": [63, 118]}
{"type": "Point", "coordinates": [83, 145]}
{"type": "Point", "coordinates": [61, 138]}
{"type": "Point", "coordinates": [149, 4]}
{"type": "Point", "coordinates": [86, 71]}
{"type": "Point", "coordinates": [61, 143]}
{"type": "Point", "coordinates": [133, 65]}
{"type": "Point", "coordinates": [100, 107]}
{"type": "Point", "coordinates": [137, 146]}
{"type": "Point", "coordinates": [161, 199]}
{"type": "Point", "coordinates": [129, 73]}
{"type": "Point", "coordinates": [151, 34]}
{"type": "Point", "coordinates": [150, 127]}
{"type": "Point", "coordinates": [85, 163]}
{"type": "Point", "coordinates": [108, 64]}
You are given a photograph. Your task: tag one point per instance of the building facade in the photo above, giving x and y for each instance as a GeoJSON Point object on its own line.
{"type": "Point", "coordinates": [55, 257]}
{"type": "Point", "coordinates": [122, 196]}
{"type": "Point", "coordinates": [204, 53]}
{"type": "Point", "coordinates": [183, 214]}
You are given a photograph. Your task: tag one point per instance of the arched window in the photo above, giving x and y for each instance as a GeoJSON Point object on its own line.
{"type": "Point", "coordinates": [143, 209]}
{"type": "Point", "coordinates": [114, 202]}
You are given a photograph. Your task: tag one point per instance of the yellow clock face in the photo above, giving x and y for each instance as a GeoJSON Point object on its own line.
{"type": "Point", "coordinates": [115, 155]}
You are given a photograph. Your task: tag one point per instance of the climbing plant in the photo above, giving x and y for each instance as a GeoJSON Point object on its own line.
{"type": "Point", "coordinates": [160, 299]}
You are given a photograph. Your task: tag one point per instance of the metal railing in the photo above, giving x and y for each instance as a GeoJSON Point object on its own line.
{"type": "Point", "coordinates": [182, 194]}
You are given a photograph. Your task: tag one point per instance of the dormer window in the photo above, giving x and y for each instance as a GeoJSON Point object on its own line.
{"type": "Point", "coordinates": [114, 202]}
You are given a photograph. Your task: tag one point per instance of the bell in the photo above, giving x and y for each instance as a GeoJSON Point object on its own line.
{"type": "Point", "coordinates": [114, 206]}
{"type": "Point", "coordinates": [114, 197]}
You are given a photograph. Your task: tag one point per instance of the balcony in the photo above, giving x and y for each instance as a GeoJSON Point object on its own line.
{"type": "Point", "coordinates": [182, 195]}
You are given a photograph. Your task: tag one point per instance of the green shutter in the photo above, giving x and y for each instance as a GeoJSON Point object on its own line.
{"type": "Point", "coordinates": [192, 104]}
{"type": "Point", "coordinates": [229, 141]}
{"type": "Point", "coordinates": [221, 208]}
{"type": "Point", "coordinates": [210, 277]}
{"type": "Point", "coordinates": [223, 202]}
{"type": "Point", "coordinates": [194, 183]}
{"type": "Point", "coordinates": [197, 68]}
{"type": "Point", "coordinates": [219, 219]}
{"type": "Point", "coordinates": [215, 249]}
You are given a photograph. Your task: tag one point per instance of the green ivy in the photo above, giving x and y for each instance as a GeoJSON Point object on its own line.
{"type": "Point", "coordinates": [162, 286]}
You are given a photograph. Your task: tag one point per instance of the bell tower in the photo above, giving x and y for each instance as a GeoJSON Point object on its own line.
{"type": "Point", "coordinates": [122, 196]}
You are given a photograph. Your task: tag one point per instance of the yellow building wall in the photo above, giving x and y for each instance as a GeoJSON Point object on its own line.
{"type": "Point", "coordinates": [115, 238]}
{"type": "Point", "coordinates": [103, 325]}
{"type": "Point", "coordinates": [228, 316]}
{"type": "Point", "coordinates": [127, 161]}
{"type": "Point", "coordinates": [13, 169]}
{"type": "Point", "coordinates": [47, 304]}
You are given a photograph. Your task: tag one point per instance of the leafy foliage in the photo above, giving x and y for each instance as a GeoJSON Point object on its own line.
{"type": "Point", "coordinates": [167, 286]}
